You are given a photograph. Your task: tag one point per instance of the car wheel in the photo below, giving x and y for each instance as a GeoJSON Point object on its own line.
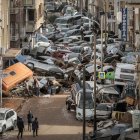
{"type": "Point", "coordinates": [67, 106]}
{"type": "Point", "coordinates": [3, 129]}
{"type": "Point", "coordinates": [14, 124]}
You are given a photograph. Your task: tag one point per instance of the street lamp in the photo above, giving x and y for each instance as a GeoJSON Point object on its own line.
{"type": "Point", "coordinates": [95, 32]}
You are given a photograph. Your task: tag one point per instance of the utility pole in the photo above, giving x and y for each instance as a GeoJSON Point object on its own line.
{"type": "Point", "coordinates": [105, 4]}
{"type": "Point", "coordinates": [94, 93]}
{"type": "Point", "coordinates": [84, 97]}
{"type": "Point", "coordinates": [102, 43]}
{"type": "Point", "coordinates": [138, 95]}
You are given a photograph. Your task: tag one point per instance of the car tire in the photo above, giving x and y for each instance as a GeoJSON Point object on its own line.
{"type": "Point", "coordinates": [3, 129]}
{"type": "Point", "coordinates": [14, 124]}
{"type": "Point", "coordinates": [68, 106]}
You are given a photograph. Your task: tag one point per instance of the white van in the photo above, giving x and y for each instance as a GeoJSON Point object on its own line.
{"type": "Point", "coordinates": [76, 99]}
{"type": "Point", "coordinates": [124, 73]}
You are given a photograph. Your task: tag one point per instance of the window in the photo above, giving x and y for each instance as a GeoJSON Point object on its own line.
{"type": "Point", "coordinates": [12, 73]}
{"type": "Point", "coordinates": [103, 107]}
{"type": "Point", "coordinates": [11, 113]}
{"type": "Point", "coordinates": [127, 70]}
{"type": "Point", "coordinates": [88, 101]}
{"type": "Point", "coordinates": [8, 115]}
{"type": "Point", "coordinates": [129, 77]}
{"type": "Point", "coordinates": [31, 15]}
{"type": "Point", "coordinates": [2, 116]}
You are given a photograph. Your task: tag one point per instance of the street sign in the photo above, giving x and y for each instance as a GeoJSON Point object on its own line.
{"type": "Point", "coordinates": [101, 75]}
{"type": "Point", "coordinates": [124, 24]}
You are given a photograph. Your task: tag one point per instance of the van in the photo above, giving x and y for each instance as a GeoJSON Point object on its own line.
{"type": "Point", "coordinates": [124, 73]}
{"type": "Point", "coordinates": [76, 99]}
{"type": "Point", "coordinates": [15, 74]}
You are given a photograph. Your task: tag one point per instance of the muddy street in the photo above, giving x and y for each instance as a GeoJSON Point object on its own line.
{"type": "Point", "coordinates": [55, 122]}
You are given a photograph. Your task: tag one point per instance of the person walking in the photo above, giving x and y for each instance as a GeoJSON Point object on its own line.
{"type": "Point", "coordinates": [29, 118]}
{"type": "Point", "coordinates": [20, 125]}
{"type": "Point", "coordinates": [35, 127]}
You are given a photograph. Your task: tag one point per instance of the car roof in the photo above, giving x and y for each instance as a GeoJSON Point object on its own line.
{"type": "Point", "coordinates": [3, 110]}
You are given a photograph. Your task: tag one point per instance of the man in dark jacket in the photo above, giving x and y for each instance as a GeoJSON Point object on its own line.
{"type": "Point", "coordinates": [29, 117]}
{"type": "Point", "coordinates": [20, 125]}
{"type": "Point", "coordinates": [35, 127]}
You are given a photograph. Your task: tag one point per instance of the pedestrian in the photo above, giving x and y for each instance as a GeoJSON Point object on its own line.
{"type": "Point", "coordinates": [20, 125]}
{"type": "Point", "coordinates": [35, 127]}
{"type": "Point", "coordinates": [27, 90]}
{"type": "Point", "coordinates": [49, 84]}
{"type": "Point", "coordinates": [29, 117]}
{"type": "Point", "coordinates": [36, 87]}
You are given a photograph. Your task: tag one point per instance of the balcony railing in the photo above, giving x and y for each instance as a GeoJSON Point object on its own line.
{"type": "Point", "coordinates": [133, 1]}
{"type": "Point", "coordinates": [28, 2]}
{"type": "Point", "coordinates": [14, 11]}
{"type": "Point", "coordinates": [14, 37]}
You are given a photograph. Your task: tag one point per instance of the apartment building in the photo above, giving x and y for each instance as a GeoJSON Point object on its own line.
{"type": "Point", "coordinates": [4, 26]}
{"type": "Point", "coordinates": [134, 27]}
{"type": "Point", "coordinates": [34, 15]}
{"type": "Point", "coordinates": [17, 23]}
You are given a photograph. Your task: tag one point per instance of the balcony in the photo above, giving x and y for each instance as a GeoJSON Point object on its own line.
{"type": "Point", "coordinates": [28, 3]}
{"type": "Point", "coordinates": [133, 1]}
{"type": "Point", "coordinates": [14, 37]}
{"type": "Point", "coordinates": [14, 11]}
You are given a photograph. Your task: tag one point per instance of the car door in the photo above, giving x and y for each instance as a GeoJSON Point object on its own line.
{"type": "Point", "coordinates": [8, 120]}
{"type": "Point", "coordinates": [13, 117]}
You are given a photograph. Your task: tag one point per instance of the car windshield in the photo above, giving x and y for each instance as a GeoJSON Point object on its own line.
{"type": "Point", "coordinates": [1, 116]}
{"type": "Point", "coordinates": [103, 107]}
{"type": "Point", "coordinates": [88, 101]}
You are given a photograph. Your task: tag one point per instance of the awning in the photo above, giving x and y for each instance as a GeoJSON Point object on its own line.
{"type": "Point", "coordinates": [12, 53]}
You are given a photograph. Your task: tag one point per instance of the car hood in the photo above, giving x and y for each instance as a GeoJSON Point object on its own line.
{"type": "Point", "coordinates": [102, 113]}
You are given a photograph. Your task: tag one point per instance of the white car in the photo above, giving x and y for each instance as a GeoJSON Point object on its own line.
{"type": "Point", "coordinates": [104, 111]}
{"type": "Point", "coordinates": [8, 119]}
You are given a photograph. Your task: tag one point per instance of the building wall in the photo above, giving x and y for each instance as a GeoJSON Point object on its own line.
{"type": "Point", "coordinates": [4, 25]}
{"type": "Point", "coordinates": [39, 8]}
{"type": "Point", "coordinates": [17, 23]}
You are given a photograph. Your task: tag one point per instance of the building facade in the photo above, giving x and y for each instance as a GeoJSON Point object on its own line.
{"type": "Point", "coordinates": [4, 26]}
{"type": "Point", "coordinates": [34, 15]}
{"type": "Point", "coordinates": [17, 23]}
